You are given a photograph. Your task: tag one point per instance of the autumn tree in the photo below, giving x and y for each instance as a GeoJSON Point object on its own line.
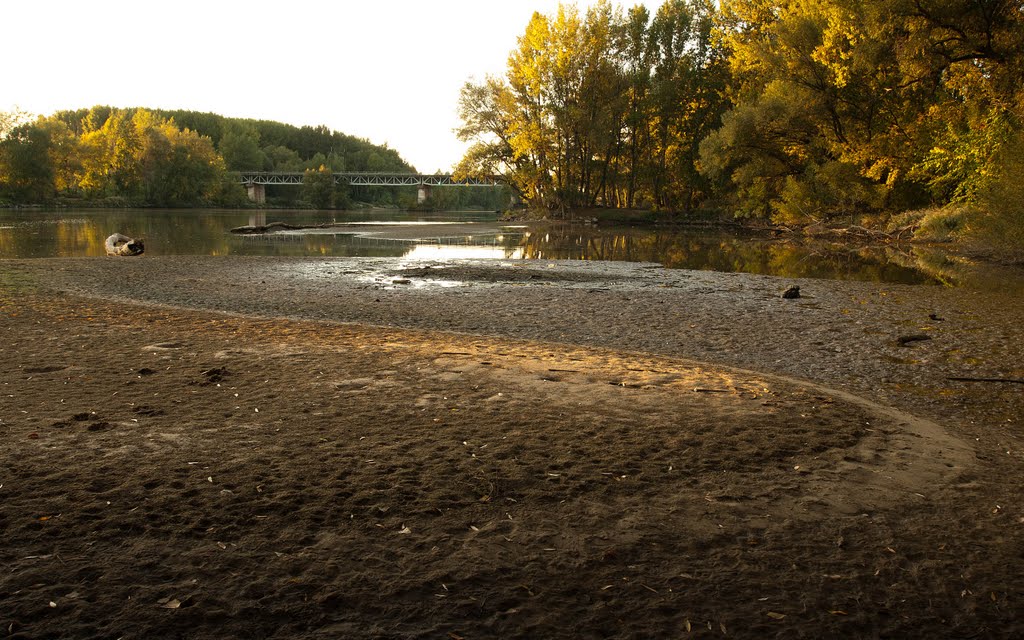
{"type": "Point", "coordinates": [843, 106]}
{"type": "Point", "coordinates": [603, 108]}
{"type": "Point", "coordinates": [687, 99]}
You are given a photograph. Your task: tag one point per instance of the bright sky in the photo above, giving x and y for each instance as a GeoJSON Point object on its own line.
{"type": "Point", "coordinates": [386, 70]}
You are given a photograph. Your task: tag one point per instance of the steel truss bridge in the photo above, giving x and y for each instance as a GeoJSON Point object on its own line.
{"type": "Point", "coordinates": [256, 181]}
{"type": "Point", "coordinates": [370, 179]}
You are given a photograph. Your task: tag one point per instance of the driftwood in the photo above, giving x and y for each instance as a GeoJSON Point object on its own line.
{"type": "Point", "coordinates": [278, 226]}
{"type": "Point", "coordinates": [917, 337]}
{"type": "Point", "coordinates": [858, 232]}
{"type": "Point", "coordinates": [970, 379]}
{"type": "Point", "coordinates": [118, 244]}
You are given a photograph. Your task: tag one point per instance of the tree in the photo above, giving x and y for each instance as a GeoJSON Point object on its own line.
{"type": "Point", "coordinates": [240, 148]}
{"type": "Point", "coordinates": [145, 157]}
{"type": "Point", "coordinates": [318, 187]}
{"type": "Point", "coordinates": [26, 169]}
{"type": "Point", "coordinates": [687, 98]}
{"type": "Point", "coordinates": [601, 109]}
{"type": "Point", "coordinates": [9, 120]}
{"type": "Point", "coordinates": [637, 60]}
{"type": "Point", "coordinates": [488, 112]}
{"type": "Point", "coordinates": [865, 105]}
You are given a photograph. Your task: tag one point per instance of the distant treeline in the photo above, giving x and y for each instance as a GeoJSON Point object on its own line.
{"type": "Point", "coordinates": [144, 157]}
{"type": "Point", "coordinates": [787, 111]}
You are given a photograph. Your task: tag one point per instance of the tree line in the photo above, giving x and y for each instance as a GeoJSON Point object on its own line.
{"type": "Point", "coordinates": [787, 110]}
{"type": "Point", "coordinates": [149, 157]}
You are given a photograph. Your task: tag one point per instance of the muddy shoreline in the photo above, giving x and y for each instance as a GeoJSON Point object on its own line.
{"type": "Point", "coordinates": [841, 333]}
{"type": "Point", "coordinates": [299, 447]}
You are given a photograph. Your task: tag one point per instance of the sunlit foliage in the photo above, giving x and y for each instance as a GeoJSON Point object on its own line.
{"type": "Point", "coordinates": [600, 108]}
{"type": "Point", "coordinates": [171, 158]}
{"type": "Point", "coordinates": [843, 106]}
{"type": "Point", "coordinates": [794, 111]}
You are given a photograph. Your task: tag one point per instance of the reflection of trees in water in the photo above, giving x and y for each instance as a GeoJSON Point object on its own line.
{"type": "Point", "coordinates": [191, 232]}
{"type": "Point", "coordinates": [50, 237]}
{"type": "Point", "coordinates": [954, 270]}
{"type": "Point", "coordinates": [716, 251]}
{"type": "Point", "coordinates": [167, 232]}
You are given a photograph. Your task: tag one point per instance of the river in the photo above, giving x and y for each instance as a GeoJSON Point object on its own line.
{"type": "Point", "coordinates": [456, 235]}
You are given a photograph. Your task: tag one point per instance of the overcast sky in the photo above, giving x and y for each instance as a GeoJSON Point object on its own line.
{"type": "Point", "coordinates": [386, 70]}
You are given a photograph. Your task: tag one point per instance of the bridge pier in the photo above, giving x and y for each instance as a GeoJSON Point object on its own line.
{"type": "Point", "coordinates": [257, 192]}
{"type": "Point", "coordinates": [423, 193]}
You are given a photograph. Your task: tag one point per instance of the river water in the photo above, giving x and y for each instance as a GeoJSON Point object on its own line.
{"type": "Point", "coordinates": [455, 235]}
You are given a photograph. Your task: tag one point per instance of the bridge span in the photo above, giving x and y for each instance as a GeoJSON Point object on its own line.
{"type": "Point", "coordinates": [255, 181]}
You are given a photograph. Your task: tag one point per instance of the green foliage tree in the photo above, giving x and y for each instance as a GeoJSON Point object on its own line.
{"type": "Point", "coordinates": [26, 169]}
{"type": "Point", "coordinates": [318, 187]}
{"type": "Point", "coordinates": [283, 159]}
{"type": "Point", "coordinates": [240, 148]}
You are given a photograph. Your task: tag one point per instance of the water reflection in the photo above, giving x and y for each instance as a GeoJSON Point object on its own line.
{"type": "Point", "coordinates": [441, 252]}
{"type": "Point", "coordinates": [29, 234]}
{"type": "Point", "coordinates": [38, 234]}
{"type": "Point", "coordinates": [715, 251]}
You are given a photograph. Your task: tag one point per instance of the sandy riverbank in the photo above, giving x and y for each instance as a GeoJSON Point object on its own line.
{"type": "Point", "coordinates": [256, 447]}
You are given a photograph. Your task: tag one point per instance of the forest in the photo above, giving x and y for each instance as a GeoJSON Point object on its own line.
{"type": "Point", "coordinates": [106, 156]}
{"type": "Point", "coordinates": [897, 114]}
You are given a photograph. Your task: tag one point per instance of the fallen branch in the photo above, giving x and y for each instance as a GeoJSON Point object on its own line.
{"type": "Point", "coordinates": [279, 226]}
{"type": "Point", "coordinates": [917, 337]}
{"type": "Point", "coordinates": [969, 379]}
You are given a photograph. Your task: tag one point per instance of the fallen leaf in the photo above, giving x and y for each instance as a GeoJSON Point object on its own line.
{"type": "Point", "coordinates": [776, 616]}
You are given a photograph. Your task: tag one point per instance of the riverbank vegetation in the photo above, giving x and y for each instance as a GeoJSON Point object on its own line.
{"type": "Point", "coordinates": [140, 157]}
{"type": "Point", "coordinates": [789, 112]}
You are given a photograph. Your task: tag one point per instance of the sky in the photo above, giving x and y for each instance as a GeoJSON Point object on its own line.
{"type": "Point", "coordinates": [385, 70]}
